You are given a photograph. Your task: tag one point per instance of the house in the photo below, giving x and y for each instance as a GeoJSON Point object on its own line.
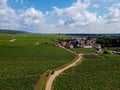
{"type": "Point", "coordinates": [64, 43]}
{"type": "Point", "coordinates": [71, 46]}
{"type": "Point", "coordinates": [117, 51]}
{"type": "Point", "coordinates": [80, 42]}
{"type": "Point", "coordinates": [98, 48]}
{"type": "Point", "coordinates": [88, 46]}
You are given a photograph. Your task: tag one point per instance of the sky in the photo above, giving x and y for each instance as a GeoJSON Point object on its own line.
{"type": "Point", "coordinates": [61, 16]}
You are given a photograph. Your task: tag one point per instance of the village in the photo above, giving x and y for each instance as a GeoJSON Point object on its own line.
{"type": "Point", "coordinates": [80, 42]}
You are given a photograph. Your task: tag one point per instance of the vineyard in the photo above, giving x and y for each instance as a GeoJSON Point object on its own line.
{"type": "Point", "coordinates": [22, 61]}
{"type": "Point", "coordinates": [95, 72]}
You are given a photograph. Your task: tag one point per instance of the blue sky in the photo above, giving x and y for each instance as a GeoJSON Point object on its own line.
{"type": "Point", "coordinates": [61, 16]}
{"type": "Point", "coordinates": [42, 5]}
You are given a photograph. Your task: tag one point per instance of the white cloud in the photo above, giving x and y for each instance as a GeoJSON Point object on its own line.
{"type": "Point", "coordinates": [74, 19]}
{"type": "Point", "coordinates": [3, 2]}
{"type": "Point", "coordinates": [61, 22]}
{"type": "Point", "coordinates": [78, 15]}
{"type": "Point", "coordinates": [96, 5]}
{"type": "Point", "coordinates": [8, 17]}
{"type": "Point", "coordinates": [113, 16]}
{"type": "Point", "coordinates": [21, 1]}
{"type": "Point", "coordinates": [32, 17]}
{"type": "Point", "coordinates": [71, 11]}
{"type": "Point", "coordinates": [80, 19]}
{"type": "Point", "coordinates": [11, 19]}
{"type": "Point", "coordinates": [117, 5]}
{"type": "Point", "coordinates": [114, 12]}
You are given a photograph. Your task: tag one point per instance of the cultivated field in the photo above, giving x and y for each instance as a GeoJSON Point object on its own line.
{"type": "Point", "coordinates": [95, 72]}
{"type": "Point", "coordinates": [23, 60]}
{"type": "Point", "coordinates": [84, 50]}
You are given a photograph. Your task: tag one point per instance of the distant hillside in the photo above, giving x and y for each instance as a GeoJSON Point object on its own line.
{"type": "Point", "coordinates": [3, 31]}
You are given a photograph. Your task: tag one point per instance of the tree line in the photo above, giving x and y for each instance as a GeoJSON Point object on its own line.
{"type": "Point", "coordinates": [109, 41]}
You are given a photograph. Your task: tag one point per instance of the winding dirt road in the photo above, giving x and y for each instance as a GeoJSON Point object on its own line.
{"type": "Point", "coordinates": [52, 77]}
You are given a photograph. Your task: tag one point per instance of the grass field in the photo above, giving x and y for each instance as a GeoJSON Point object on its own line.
{"type": "Point", "coordinates": [22, 63]}
{"type": "Point", "coordinates": [84, 50]}
{"type": "Point", "coordinates": [95, 72]}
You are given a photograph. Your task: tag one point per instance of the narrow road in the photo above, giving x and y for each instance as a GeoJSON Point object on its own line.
{"type": "Point", "coordinates": [52, 77]}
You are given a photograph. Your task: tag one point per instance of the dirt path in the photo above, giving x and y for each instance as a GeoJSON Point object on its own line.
{"type": "Point", "coordinates": [52, 77]}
